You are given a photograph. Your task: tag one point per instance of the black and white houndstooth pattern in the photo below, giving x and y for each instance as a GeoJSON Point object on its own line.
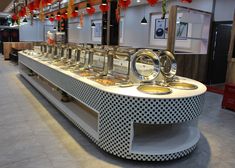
{"type": "Point", "coordinates": [117, 113]}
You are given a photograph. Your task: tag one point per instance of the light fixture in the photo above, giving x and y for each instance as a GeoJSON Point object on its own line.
{"type": "Point", "coordinates": [34, 16]}
{"type": "Point", "coordinates": [66, 12]}
{"type": "Point", "coordinates": [93, 25]}
{"type": "Point", "coordinates": [88, 6]}
{"type": "Point", "coordinates": [47, 16]}
{"type": "Point", "coordinates": [144, 21]}
{"type": "Point", "coordinates": [76, 9]}
{"type": "Point", "coordinates": [58, 13]}
{"type": "Point", "coordinates": [52, 16]}
{"type": "Point", "coordinates": [138, 1]}
{"type": "Point", "coordinates": [54, 28]}
{"type": "Point", "coordinates": [25, 20]}
{"type": "Point", "coordinates": [104, 2]}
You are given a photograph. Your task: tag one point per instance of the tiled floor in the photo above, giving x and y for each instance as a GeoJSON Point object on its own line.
{"type": "Point", "coordinates": [33, 134]}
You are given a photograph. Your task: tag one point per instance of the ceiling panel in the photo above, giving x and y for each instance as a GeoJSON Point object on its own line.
{"type": "Point", "coordinates": [4, 4]}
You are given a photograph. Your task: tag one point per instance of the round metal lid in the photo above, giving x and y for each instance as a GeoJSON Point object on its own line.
{"type": "Point", "coordinates": [149, 56]}
{"type": "Point", "coordinates": [154, 89]}
{"type": "Point", "coordinates": [168, 65]}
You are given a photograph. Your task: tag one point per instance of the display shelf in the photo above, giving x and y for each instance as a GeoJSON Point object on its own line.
{"type": "Point", "coordinates": [75, 111]}
{"type": "Point", "coordinates": [163, 139]}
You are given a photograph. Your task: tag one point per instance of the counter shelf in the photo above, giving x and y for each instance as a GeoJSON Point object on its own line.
{"type": "Point", "coordinates": [123, 121]}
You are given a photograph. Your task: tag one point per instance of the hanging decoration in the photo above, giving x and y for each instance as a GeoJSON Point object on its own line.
{"type": "Point", "coordinates": [52, 18]}
{"type": "Point", "coordinates": [14, 17]}
{"type": "Point", "coordinates": [81, 18]}
{"type": "Point", "coordinates": [49, 2]}
{"type": "Point", "coordinates": [31, 6]}
{"type": "Point", "coordinates": [36, 4]}
{"type": "Point", "coordinates": [70, 8]}
{"type": "Point", "coordinates": [117, 12]}
{"type": "Point", "coordinates": [90, 9]}
{"type": "Point", "coordinates": [124, 3]}
{"type": "Point", "coordinates": [41, 14]}
{"type": "Point", "coordinates": [152, 2]}
{"type": "Point", "coordinates": [163, 9]}
{"type": "Point", "coordinates": [104, 7]}
{"type": "Point", "coordinates": [186, 1]}
{"type": "Point", "coordinates": [74, 14]}
{"type": "Point", "coordinates": [22, 12]}
{"type": "Point", "coordinates": [64, 16]}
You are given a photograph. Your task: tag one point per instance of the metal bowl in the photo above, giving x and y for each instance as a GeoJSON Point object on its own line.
{"type": "Point", "coordinates": [168, 65]}
{"type": "Point", "coordinates": [154, 89]}
{"type": "Point", "coordinates": [183, 86]}
{"type": "Point", "coordinates": [150, 55]}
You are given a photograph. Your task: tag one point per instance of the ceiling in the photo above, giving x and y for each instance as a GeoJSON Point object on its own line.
{"type": "Point", "coordinates": [4, 4]}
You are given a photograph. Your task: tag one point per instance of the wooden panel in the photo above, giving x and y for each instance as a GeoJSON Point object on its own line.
{"type": "Point", "coordinates": [7, 47]}
{"type": "Point", "coordinates": [172, 29]}
{"type": "Point", "coordinates": [230, 78]}
{"type": "Point", "coordinates": [192, 66]}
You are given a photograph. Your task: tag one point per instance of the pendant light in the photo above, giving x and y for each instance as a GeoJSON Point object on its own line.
{"type": "Point", "coordinates": [88, 6]}
{"type": "Point", "coordinates": [93, 25]}
{"type": "Point", "coordinates": [25, 20]}
{"type": "Point", "coordinates": [144, 21]}
{"type": "Point", "coordinates": [104, 2]}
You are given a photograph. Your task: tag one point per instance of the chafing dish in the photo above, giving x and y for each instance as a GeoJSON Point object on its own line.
{"type": "Point", "coordinates": [154, 89]}
{"type": "Point", "coordinates": [183, 86]}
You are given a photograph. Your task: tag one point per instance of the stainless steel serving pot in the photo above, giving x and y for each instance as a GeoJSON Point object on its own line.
{"type": "Point", "coordinates": [151, 57]}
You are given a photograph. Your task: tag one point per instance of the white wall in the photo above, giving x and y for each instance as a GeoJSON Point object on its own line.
{"type": "Point", "coordinates": [82, 35]}
{"type": "Point", "coordinates": [137, 35]}
{"type": "Point", "coordinates": [32, 33]}
{"type": "Point", "coordinates": [224, 10]}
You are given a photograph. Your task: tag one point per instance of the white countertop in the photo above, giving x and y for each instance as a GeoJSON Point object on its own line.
{"type": "Point", "coordinates": [131, 91]}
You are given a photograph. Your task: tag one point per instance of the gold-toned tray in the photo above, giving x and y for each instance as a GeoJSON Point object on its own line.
{"type": "Point", "coordinates": [154, 89]}
{"type": "Point", "coordinates": [183, 86]}
{"type": "Point", "coordinates": [86, 73]}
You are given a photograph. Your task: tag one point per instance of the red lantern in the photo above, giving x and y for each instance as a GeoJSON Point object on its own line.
{"type": "Point", "coordinates": [186, 1]}
{"type": "Point", "coordinates": [152, 2]}
{"type": "Point", "coordinates": [90, 10]}
{"type": "Point", "coordinates": [104, 8]}
{"type": "Point", "coordinates": [49, 2]}
{"type": "Point", "coordinates": [64, 16]}
{"type": "Point", "coordinates": [14, 17]}
{"type": "Point", "coordinates": [31, 6]}
{"type": "Point", "coordinates": [58, 18]}
{"type": "Point", "coordinates": [51, 19]}
{"type": "Point", "coordinates": [124, 3]}
{"type": "Point", "coordinates": [36, 4]}
{"type": "Point", "coordinates": [22, 12]}
{"type": "Point", "coordinates": [74, 14]}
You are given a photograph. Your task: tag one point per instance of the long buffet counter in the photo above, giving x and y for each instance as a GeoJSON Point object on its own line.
{"type": "Point", "coordinates": [123, 121]}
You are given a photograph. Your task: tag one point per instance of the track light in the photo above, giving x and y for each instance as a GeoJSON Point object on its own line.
{"type": "Point", "coordinates": [66, 12]}
{"type": "Point", "coordinates": [54, 28]}
{"type": "Point", "coordinates": [93, 25]}
{"type": "Point", "coordinates": [76, 9]}
{"type": "Point", "coordinates": [144, 21]}
{"type": "Point", "coordinates": [58, 13]}
{"type": "Point", "coordinates": [34, 16]}
{"type": "Point", "coordinates": [47, 16]}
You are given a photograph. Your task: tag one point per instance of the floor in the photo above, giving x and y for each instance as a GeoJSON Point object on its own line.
{"type": "Point", "coordinates": [33, 134]}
